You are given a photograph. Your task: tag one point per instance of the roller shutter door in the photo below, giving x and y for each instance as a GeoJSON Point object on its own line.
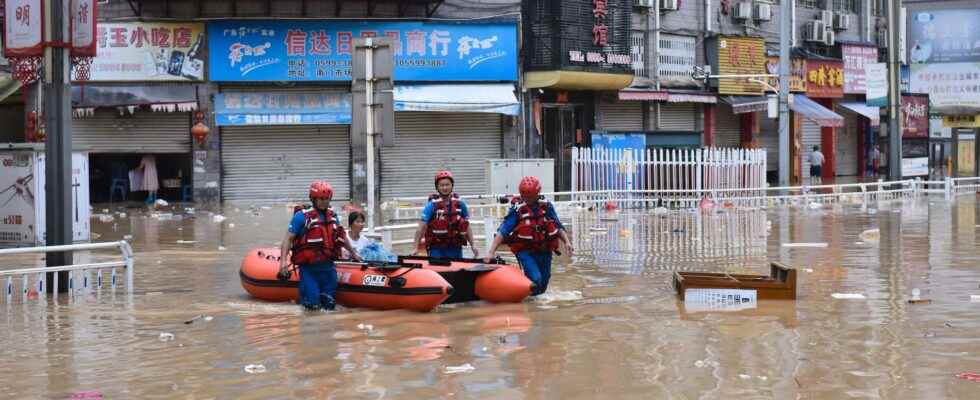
{"type": "Point", "coordinates": [622, 116]}
{"type": "Point", "coordinates": [678, 117]}
{"type": "Point", "coordinates": [769, 139]}
{"type": "Point", "coordinates": [847, 146]}
{"type": "Point", "coordinates": [265, 163]}
{"type": "Point", "coordinates": [728, 127]}
{"type": "Point", "coordinates": [142, 132]}
{"type": "Point", "coordinates": [810, 136]}
{"type": "Point", "coordinates": [426, 142]}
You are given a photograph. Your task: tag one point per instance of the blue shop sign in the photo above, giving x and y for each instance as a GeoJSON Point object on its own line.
{"type": "Point", "coordinates": [321, 50]}
{"type": "Point", "coordinates": [282, 108]}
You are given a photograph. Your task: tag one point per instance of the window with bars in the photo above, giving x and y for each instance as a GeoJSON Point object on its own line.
{"type": "Point", "coordinates": [676, 57]}
{"type": "Point", "coordinates": [845, 6]}
{"type": "Point", "coordinates": [878, 8]}
{"type": "Point", "coordinates": [809, 3]}
{"type": "Point", "coordinates": [638, 45]}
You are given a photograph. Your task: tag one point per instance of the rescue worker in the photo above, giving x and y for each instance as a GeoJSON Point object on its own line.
{"type": "Point", "coordinates": [313, 241]}
{"type": "Point", "coordinates": [533, 231]}
{"type": "Point", "coordinates": [445, 222]}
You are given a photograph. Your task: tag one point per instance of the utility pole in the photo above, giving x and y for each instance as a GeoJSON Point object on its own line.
{"type": "Point", "coordinates": [785, 33]}
{"type": "Point", "coordinates": [56, 89]}
{"type": "Point", "coordinates": [894, 91]}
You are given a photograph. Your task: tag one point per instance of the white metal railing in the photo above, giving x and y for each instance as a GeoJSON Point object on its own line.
{"type": "Point", "coordinates": [79, 275]}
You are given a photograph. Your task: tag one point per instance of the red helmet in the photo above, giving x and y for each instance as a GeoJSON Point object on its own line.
{"type": "Point", "coordinates": [321, 190]}
{"type": "Point", "coordinates": [530, 187]}
{"type": "Point", "coordinates": [444, 174]}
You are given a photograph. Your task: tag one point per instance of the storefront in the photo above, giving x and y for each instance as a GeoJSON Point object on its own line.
{"type": "Point", "coordinates": [810, 124]}
{"type": "Point", "coordinates": [858, 137]}
{"type": "Point", "coordinates": [454, 97]}
{"type": "Point", "coordinates": [819, 125]}
{"type": "Point", "coordinates": [734, 122]}
{"type": "Point", "coordinates": [577, 56]}
{"type": "Point", "coordinates": [138, 107]}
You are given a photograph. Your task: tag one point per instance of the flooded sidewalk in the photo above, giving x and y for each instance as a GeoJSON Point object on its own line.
{"type": "Point", "coordinates": [610, 326]}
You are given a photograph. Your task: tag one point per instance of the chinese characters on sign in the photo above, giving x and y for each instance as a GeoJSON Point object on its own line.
{"type": "Point", "coordinates": [953, 88]}
{"type": "Point", "coordinates": [740, 56]}
{"type": "Point", "coordinates": [22, 28]}
{"type": "Point", "coordinates": [282, 108]}
{"type": "Point", "coordinates": [797, 73]}
{"type": "Point", "coordinates": [600, 32]}
{"type": "Point", "coordinates": [855, 58]}
{"type": "Point", "coordinates": [320, 51]}
{"type": "Point", "coordinates": [149, 51]}
{"type": "Point", "coordinates": [961, 121]}
{"type": "Point", "coordinates": [915, 117]}
{"type": "Point", "coordinates": [824, 79]}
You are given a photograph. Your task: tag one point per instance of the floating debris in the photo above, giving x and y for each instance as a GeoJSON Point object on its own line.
{"type": "Point", "coordinates": [166, 336]}
{"type": "Point", "coordinates": [460, 369]}
{"type": "Point", "coordinates": [186, 241]}
{"type": "Point", "coordinates": [255, 368]}
{"type": "Point", "coordinates": [848, 296]}
{"type": "Point", "coordinates": [218, 218]}
{"type": "Point", "coordinates": [814, 245]}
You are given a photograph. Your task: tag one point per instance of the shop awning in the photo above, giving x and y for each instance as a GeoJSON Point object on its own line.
{"type": "Point", "coordinates": [282, 108]}
{"type": "Point", "coordinates": [162, 98]}
{"type": "Point", "coordinates": [485, 97]}
{"type": "Point", "coordinates": [666, 95]}
{"type": "Point", "coordinates": [815, 112]}
{"type": "Point", "coordinates": [871, 113]}
{"type": "Point", "coordinates": [8, 85]}
{"type": "Point", "coordinates": [576, 80]}
{"type": "Point", "coordinates": [746, 104]}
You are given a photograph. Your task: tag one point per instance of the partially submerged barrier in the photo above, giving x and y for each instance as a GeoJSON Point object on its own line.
{"type": "Point", "coordinates": [33, 281]}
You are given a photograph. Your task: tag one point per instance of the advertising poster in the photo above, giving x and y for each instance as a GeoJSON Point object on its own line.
{"type": "Point", "coordinates": [149, 51]}
{"type": "Point", "coordinates": [945, 36]}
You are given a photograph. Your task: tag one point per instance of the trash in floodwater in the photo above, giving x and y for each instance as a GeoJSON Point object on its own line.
{"type": "Point", "coordinates": [366, 327]}
{"type": "Point", "coordinates": [848, 296]}
{"type": "Point", "coordinates": [460, 369]}
{"type": "Point", "coordinates": [231, 225]}
{"type": "Point", "coordinates": [218, 218]}
{"type": "Point", "coordinates": [744, 376]}
{"type": "Point", "coordinates": [820, 245]}
{"type": "Point", "coordinates": [186, 241]}
{"type": "Point", "coordinates": [105, 218]}
{"type": "Point", "coordinates": [719, 299]}
{"type": "Point", "coordinates": [162, 203]}
{"type": "Point", "coordinates": [255, 368]}
{"type": "Point", "coordinates": [222, 248]}
{"type": "Point", "coordinates": [87, 394]}
{"type": "Point", "coordinates": [870, 235]}
{"type": "Point", "coordinates": [127, 237]}
{"type": "Point", "coordinates": [166, 336]}
{"type": "Point", "coordinates": [206, 318]}
{"type": "Point", "coordinates": [970, 376]}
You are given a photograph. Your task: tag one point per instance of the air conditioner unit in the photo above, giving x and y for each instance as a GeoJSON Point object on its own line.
{"type": "Point", "coordinates": [815, 31]}
{"type": "Point", "coordinates": [762, 11]}
{"type": "Point", "coordinates": [829, 38]}
{"type": "Point", "coordinates": [643, 3]}
{"type": "Point", "coordinates": [670, 5]}
{"type": "Point", "coordinates": [827, 17]}
{"type": "Point", "coordinates": [842, 22]}
{"type": "Point", "coordinates": [742, 10]}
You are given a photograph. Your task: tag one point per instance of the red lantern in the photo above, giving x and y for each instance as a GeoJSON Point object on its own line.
{"type": "Point", "coordinates": [200, 132]}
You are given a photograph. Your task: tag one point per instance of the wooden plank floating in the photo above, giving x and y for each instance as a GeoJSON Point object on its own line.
{"type": "Point", "coordinates": [779, 285]}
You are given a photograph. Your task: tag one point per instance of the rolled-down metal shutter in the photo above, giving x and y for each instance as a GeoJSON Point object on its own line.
{"type": "Point", "coordinates": [728, 127]}
{"type": "Point", "coordinates": [426, 142]}
{"type": "Point", "coordinates": [847, 146]}
{"type": "Point", "coordinates": [142, 132]}
{"type": "Point", "coordinates": [678, 116]}
{"type": "Point", "coordinates": [621, 116]}
{"type": "Point", "coordinates": [769, 139]}
{"type": "Point", "coordinates": [263, 163]}
{"type": "Point", "coordinates": [810, 136]}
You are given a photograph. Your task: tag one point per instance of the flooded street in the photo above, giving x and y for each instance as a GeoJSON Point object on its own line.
{"type": "Point", "coordinates": [609, 327]}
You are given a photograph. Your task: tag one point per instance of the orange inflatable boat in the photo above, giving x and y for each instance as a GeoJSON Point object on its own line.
{"type": "Point", "coordinates": [471, 279]}
{"type": "Point", "coordinates": [377, 286]}
{"type": "Point", "coordinates": [413, 283]}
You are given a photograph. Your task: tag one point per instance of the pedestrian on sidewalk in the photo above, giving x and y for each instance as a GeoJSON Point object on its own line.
{"type": "Point", "coordinates": [313, 242]}
{"type": "Point", "coordinates": [533, 231]}
{"type": "Point", "coordinates": [445, 222]}
{"type": "Point", "coordinates": [816, 166]}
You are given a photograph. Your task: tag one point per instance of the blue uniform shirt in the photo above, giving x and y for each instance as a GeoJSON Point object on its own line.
{"type": "Point", "coordinates": [430, 208]}
{"type": "Point", "coordinates": [510, 221]}
{"type": "Point", "coordinates": [297, 226]}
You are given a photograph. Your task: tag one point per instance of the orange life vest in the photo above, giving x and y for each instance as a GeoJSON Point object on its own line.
{"type": "Point", "coordinates": [447, 228]}
{"type": "Point", "coordinates": [534, 231]}
{"type": "Point", "coordinates": [322, 240]}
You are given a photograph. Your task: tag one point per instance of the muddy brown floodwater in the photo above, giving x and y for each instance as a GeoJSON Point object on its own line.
{"type": "Point", "coordinates": [610, 327]}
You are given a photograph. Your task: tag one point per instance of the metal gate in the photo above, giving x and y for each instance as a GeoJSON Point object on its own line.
{"type": "Point", "coordinates": [277, 163]}
{"type": "Point", "coordinates": [142, 132]}
{"type": "Point", "coordinates": [426, 142]}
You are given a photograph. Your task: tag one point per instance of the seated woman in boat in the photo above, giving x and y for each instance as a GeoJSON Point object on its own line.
{"type": "Point", "coordinates": [368, 249]}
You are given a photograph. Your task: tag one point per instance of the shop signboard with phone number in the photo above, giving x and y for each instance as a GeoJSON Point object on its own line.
{"type": "Point", "coordinates": [149, 51]}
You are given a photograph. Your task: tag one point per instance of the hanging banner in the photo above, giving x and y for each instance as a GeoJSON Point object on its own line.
{"type": "Point", "coordinates": [740, 56]}
{"type": "Point", "coordinates": [961, 121]}
{"type": "Point", "coordinates": [944, 36]}
{"type": "Point", "coordinates": [149, 51]}
{"type": "Point", "coordinates": [275, 108]}
{"type": "Point", "coordinates": [915, 117]}
{"type": "Point", "coordinates": [22, 28]}
{"type": "Point", "coordinates": [824, 79]}
{"type": "Point", "coordinates": [321, 50]}
{"type": "Point", "coordinates": [797, 73]}
{"type": "Point", "coordinates": [855, 58]}
{"type": "Point", "coordinates": [876, 82]}
{"type": "Point", "coordinates": [953, 88]}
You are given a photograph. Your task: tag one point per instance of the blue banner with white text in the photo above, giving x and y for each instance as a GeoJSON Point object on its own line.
{"type": "Point", "coordinates": [321, 50]}
{"type": "Point", "coordinates": [282, 108]}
